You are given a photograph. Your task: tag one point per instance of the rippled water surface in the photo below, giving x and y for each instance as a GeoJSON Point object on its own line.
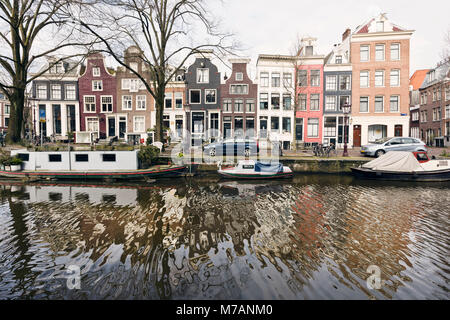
{"type": "Point", "coordinates": [311, 238]}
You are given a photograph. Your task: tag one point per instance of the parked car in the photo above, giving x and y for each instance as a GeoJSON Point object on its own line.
{"type": "Point", "coordinates": [245, 147]}
{"type": "Point", "coordinates": [384, 145]}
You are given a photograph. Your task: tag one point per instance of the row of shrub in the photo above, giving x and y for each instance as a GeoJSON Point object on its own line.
{"type": "Point", "coordinates": [7, 160]}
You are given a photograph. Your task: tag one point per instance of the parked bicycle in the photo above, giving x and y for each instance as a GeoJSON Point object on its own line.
{"type": "Point", "coordinates": [320, 150]}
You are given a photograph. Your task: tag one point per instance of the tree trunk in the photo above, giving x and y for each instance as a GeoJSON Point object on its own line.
{"type": "Point", "coordinates": [16, 116]}
{"type": "Point", "coordinates": [159, 105]}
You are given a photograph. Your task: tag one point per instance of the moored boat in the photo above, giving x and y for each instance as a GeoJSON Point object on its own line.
{"type": "Point", "coordinates": [405, 166]}
{"type": "Point", "coordinates": [87, 165]}
{"type": "Point", "coordinates": [251, 169]}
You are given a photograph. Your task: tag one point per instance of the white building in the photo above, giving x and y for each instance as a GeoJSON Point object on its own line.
{"type": "Point", "coordinates": [276, 87]}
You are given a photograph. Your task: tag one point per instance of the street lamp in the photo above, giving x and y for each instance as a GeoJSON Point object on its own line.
{"type": "Point", "coordinates": [346, 108]}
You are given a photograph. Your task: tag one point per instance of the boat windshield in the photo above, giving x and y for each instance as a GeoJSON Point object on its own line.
{"type": "Point", "coordinates": [382, 140]}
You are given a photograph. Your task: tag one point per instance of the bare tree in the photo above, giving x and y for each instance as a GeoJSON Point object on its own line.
{"type": "Point", "coordinates": [168, 32]}
{"type": "Point", "coordinates": [24, 26]}
{"type": "Point", "coordinates": [446, 49]}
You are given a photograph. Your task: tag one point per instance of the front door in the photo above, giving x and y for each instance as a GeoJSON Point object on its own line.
{"type": "Point", "coordinates": [357, 136]}
{"type": "Point", "coordinates": [299, 129]}
{"type": "Point", "coordinates": [122, 127]}
{"type": "Point", "coordinates": [111, 127]}
{"type": "Point", "coordinates": [398, 130]}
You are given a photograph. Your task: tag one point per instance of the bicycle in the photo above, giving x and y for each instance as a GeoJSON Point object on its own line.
{"type": "Point", "coordinates": [318, 150]}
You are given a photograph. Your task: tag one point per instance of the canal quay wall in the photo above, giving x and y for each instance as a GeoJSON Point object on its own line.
{"type": "Point", "coordinates": [297, 165]}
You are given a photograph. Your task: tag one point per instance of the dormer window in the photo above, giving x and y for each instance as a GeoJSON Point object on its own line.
{"type": "Point", "coordinates": [96, 72]}
{"type": "Point", "coordinates": [134, 66]}
{"type": "Point", "coordinates": [202, 75]}
{"type": "Point", "coordinates": [239, 76]}
{"type": "Point", "coordinates": [57, 68]}
{"type": "Point", "coordinates": [338, 59]}
{"type": "Point", "coordinates": [309, 50]}
{"type": "Point", "coordinates": [380, 26]}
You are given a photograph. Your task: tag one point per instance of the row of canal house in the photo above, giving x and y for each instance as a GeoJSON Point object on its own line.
{"type": "Point", "coordinates": [430, 105]}
{"type": "Point", "coordinates": [296, 100]}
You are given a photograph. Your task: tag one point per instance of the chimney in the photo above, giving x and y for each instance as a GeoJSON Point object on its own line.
{"type": "Point", "coordinates": [346, 34]}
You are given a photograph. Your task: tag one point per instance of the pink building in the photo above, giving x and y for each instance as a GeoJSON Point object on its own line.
{"type": "Point", "coordinates": [98, 100]}
{"type": "Point", "coordinates": [309, 106]}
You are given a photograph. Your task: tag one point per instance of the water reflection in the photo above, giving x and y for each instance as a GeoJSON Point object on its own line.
{"type": "Point", "coordinates": [313, 237]}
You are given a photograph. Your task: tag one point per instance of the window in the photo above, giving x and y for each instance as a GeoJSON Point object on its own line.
{"type": "Point", "coordinates": [107, 104]}
{"type": "Point", "coordinates": [303, 78]}
{"type": "Point", "coordinates": [56, 91]}
{"type": "Point", "coordinates": [447, 112]}
{"type": "Point", "coordinates": [343, 100]}
{"type": "Point", "coordinates": [275, 100]}
{"type": "Point", "coordinates": [380, 26]}
{"type": "Point", "coordinates": [263, 101]}
{"type": "Point", "coordinates": [286, 124]}
{"type": "Point", "coordinates": [250, 106]}
{"type": "Point", "coordinates": [96, 72]}
{"type": "Point", "coordinates": [379, 104]}
{"type": "Point", "coordinates": [210, 96]}
{"type": "Point", "coordinates": [92, 124]}
{"type": "Point", "coordinates": [364, 79]}
{"type": "Point", "coordinates": [70, 92]}
{"type": "Point", "coordinates": [286, 101]}
{"type": "Point", "coordinates": [264, 79]}
{"type": "Point", "coordinates": [379, 52]}
{"type": "Point", "coordinates": [89, 103]}
{"type": "Point", "coordinates": [41, 91]}
{"type": "Point", "coordinates": [134, 66]}
{"type": "Point", "coordinates": [194, 96]}
{"type": "Point", "coordinates": [331, 83]}
{"type": "Point", "coordinates": [315, 78]}
{"type": "Point", "coordinates": [379, 78]}
{"type": "Point", "coordinates": [136, 85]}
{"type": "Point", "coordinates": [238, 105]}
{"type": "Point", "coordinates": [330, 103]}
{"type": "Point", "coordinates": [97, 85]}
{"type": "Point", "coordinates": [302, 99]}
{"type": "Point", "coordinates": [202, 75]}
{"type": "Point", "coordinates": [24, 156]}
{"type": "Point", "coordinates": [6, 122]}
{"type": "Point", "coordinates": [338, 60]}
{"type": "Point", "coordinates": [127, 102]}
{"type": "Point", "coordinates": [178, 100]}
{"type": "Point", "coordinates": [275, 124]}
{"type": "Point", "coordinates": [364, 104]}
{"type": "Point", "coordinates": [139, 124]}
{"type": "Point", "coordinates": [364, 53]}
{"type": "Point", "coordinates": [447, 93]}
{"type": "Point", "coordinates": [227, 105]}
{"type": "Point", "coordinates": [125, 84]}
{"type": "Point", "coordinates": [395, 78]}
{"type": "Point", "coordinates": [54, 158]}
{"type": "Point", "coordinates": [395, 51]}
{"type": "Point", "coordinates": [287, 80]}
{"type": "Point", "coordinates": [141, 103]}
{"type": "Point", "coordinates": [330, 127]}
{"type": "Point", "coordinates": [239, 76]}
{"type": "Point", "coordinates": [394, 103]}
{"type": "Point", "coordinates": [109, 157]}
{"type": "Point", "coordinates": [168, 101]}
{"type": "Point", "coordinates": [8, 108]}
{"type": "Point", "coordinates": [275, 79]}
{"type": "Point", "coordinates": [344, 83]}
{"type": "Point", "coordinates": [315, 102]}
{"type": "Point", "coordinates": [81, 158]}
{"type": "Point", "coordinates": [313, 127]}
{"type": "Point", "coordinates": [239, 89]}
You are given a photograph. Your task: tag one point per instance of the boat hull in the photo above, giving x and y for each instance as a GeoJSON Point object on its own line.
{"type": "Point", "coordinates": [151, 173]}
{"type": "Point", "coordinates": [437, 176]}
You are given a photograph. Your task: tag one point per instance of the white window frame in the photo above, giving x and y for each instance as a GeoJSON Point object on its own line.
{"type": "Point", "coordinates": [316, 125]}
{"type": "Point", "coordinates": [200, 96]}
{"type": "Point", "coordinates": [141, 104]}
{"type": "Point", "coordinates": [74, 91]}
{"type": "Point", "coordinates": [178, 96]}
{"type": "Point", "coordinates": [94, 82]}
{"type": "Point", "coordinates": [51, 92]}
{"type": "Point", "coordinates": [375, 104]}
{"type": "Point", "coordinates": [399, 51]}
{"type": "Point", "coordinates": [368, 79]}
{"type": "Point", "coordinates": [376, 51]}
{"type": "Point", "coordinates": [310, 102]}
{"type": "Point", "coordinates": [390, 78]}
{"type": "Point", "coordinates": [84, 104]}
{"type": "Point", "coordinates": [368, 104]}
{"type": "Point", "coordinates": [198, 75]}
{"type": "Point", "coordinates": [96, 71]}
{"type": "Point", "coordinates": [125, 84]}
{"type": "Point", "coordinates": [239, 76]}
{"type": "Point", "coordinates": [46, 91]}
{"type": "Point", "coordinates": [215, 96]}
{"type": "Point", "coordinates": [92, 119]}
{"type": "Point", "coordinates": [368, 52]}
{"type": "Point", "coordinates": [267, 79]}
{"type": "Point", "coordinates": [124, 104]}
{"type": "Point", "coordinates": [327, 104]}
{"type": "Point", "coordinates": [382, 78]}
{"type": "Point", "coordinates": [134, 124]}
{"type": "Point", "coordinates": [328, 87]}
{"type": "Point", "coordinates": [398, 103]}
{"type": "Point", "coordinates": [101, 104]}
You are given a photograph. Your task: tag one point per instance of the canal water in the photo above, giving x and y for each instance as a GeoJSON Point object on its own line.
{"type": "Point", "coordinates": [315, 237]}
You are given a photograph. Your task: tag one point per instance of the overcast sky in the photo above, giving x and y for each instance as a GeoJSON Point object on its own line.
{"type": "Point", "coordinates": [268, 26]}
